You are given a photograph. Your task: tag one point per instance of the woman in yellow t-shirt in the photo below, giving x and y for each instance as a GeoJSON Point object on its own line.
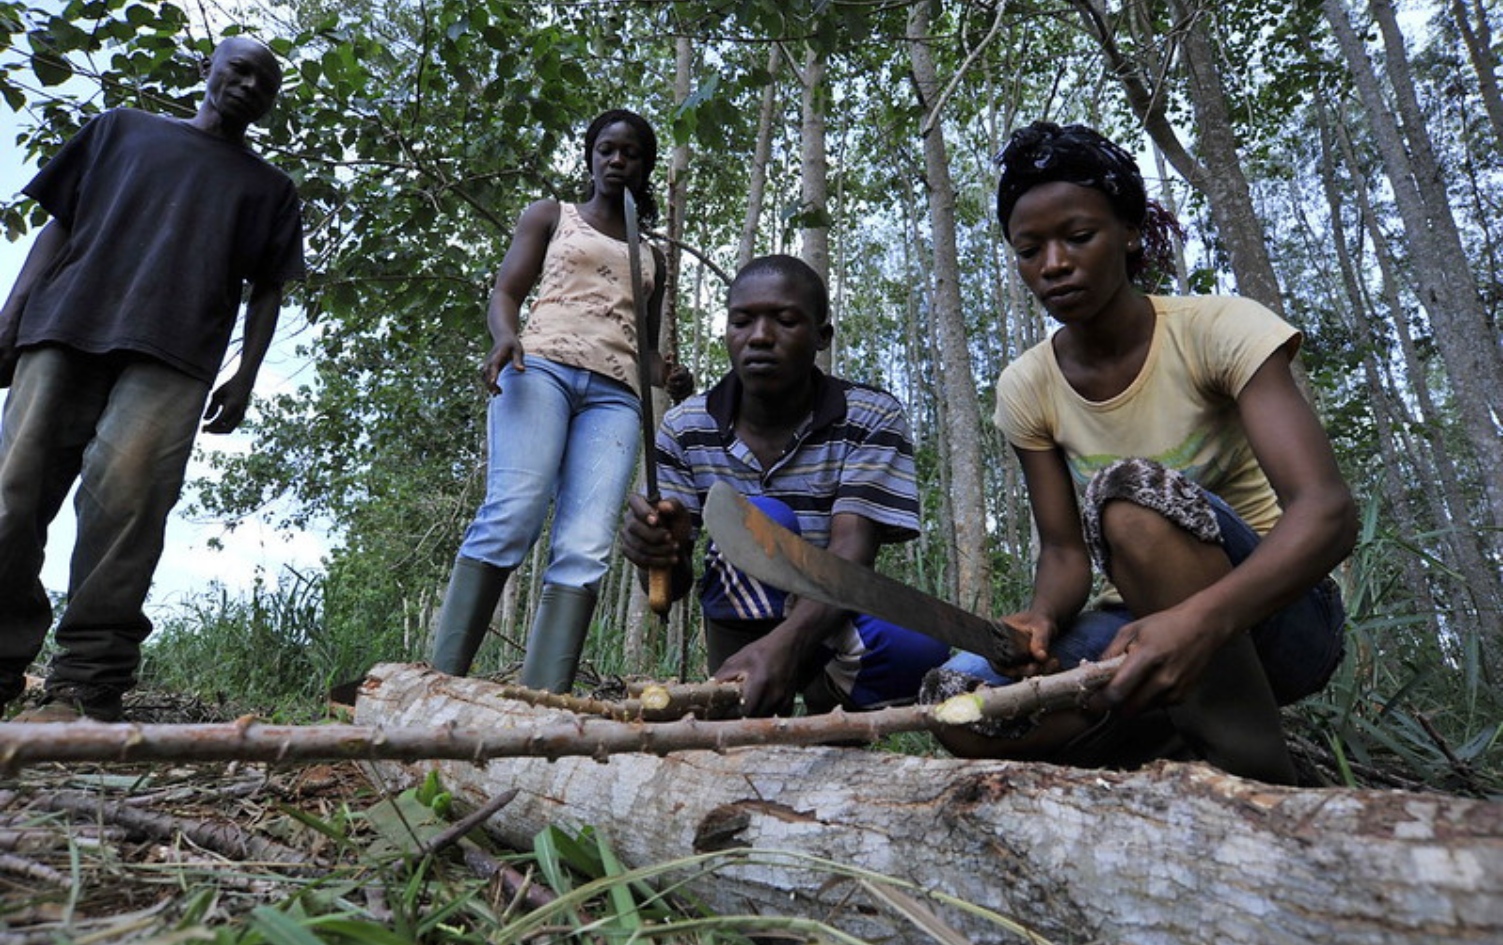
{"type": "Point", "coordinates": [564, 419]}
{"type": "Point", "coordinates": [1165, 440]}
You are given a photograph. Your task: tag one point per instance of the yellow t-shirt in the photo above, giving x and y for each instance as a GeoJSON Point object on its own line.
{"type": "Point", "coordinates": [1180, 410]}
{"type": "Point", "coordinates": [584, 315]}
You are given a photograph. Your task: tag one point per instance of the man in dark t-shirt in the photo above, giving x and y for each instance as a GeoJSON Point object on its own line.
{"type": "Point", "coordinates": [111, 340]}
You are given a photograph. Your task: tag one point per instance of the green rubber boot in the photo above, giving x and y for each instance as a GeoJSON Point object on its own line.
{"type": "Point", "coordinates": [474, 589]}
{"type": "Point", "coordinates": [557, 638]}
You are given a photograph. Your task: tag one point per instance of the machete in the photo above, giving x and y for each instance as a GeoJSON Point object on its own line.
{"type": "Point", "coordinates": [659, 580]}
{"type": "Point", "coordinates": [771, 553]}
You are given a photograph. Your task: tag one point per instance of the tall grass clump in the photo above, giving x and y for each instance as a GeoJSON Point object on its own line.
{"type": "Point", "coordinates": [258, 649]}
{"type": "Point", "coordinates": [1415, 694]}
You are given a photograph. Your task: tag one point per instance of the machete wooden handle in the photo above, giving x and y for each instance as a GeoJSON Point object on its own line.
{"type": "Point", "coordinates": [660, 590]}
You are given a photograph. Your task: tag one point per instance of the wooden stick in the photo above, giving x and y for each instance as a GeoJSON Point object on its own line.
{"type": "Point", "coordinates": [649, 702]}
{"type": "Point", "coordinates": [646, 699]}
{"type": "Point", "coordinates": [224, 838]}
{"type": "Point", "coordinates": [249, 740]}
{"type": "Point", "coordinates": [457, 830]}
{"type": "Point", "coordinates": [711, 699]}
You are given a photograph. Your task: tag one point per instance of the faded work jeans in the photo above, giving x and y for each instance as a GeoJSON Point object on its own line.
{"type": "Point", "coordinates": [561, 435]}
{"type": "Point", "coordinates": [123, 427]}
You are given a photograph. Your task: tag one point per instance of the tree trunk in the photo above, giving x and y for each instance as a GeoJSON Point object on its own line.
{"type": "Point", "coordinates": [640, 623]}
{"type": "Point", "coordinates": [1443, 277]}
{"type": "Point", "coordinates": [1172, 853]}
{"type": "Point", "coordinates": [1216, 171]}
{"type": "Point", "coordinates": [1480, 593]}
{"type": "Point", "coordinates": [756, 188]}
{"type": "Point", "coordinates": [1478, 40]}
{"type": "Point", "coordinates": [1389, 415]}
{"type": "Point", "coordinates": [678, 201]}
{"type": "Point", "coordinates": [1225, 185]}
{"type": "Point", "coordinates": [1481, 584]}
{"type": "Point", "coordinates": [957, 379]}
{"type": "Point", "coordinates": [814, 180]}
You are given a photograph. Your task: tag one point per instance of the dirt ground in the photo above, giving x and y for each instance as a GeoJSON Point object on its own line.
{"type": "Point", "coordinates": [127, 852]}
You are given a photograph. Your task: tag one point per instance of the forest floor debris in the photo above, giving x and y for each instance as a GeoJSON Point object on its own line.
{"type": "Point", "coordinates": [117, 853]}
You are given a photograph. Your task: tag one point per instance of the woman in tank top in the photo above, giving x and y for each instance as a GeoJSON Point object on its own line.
{"type": "Point", "coordinates": [564, 419]}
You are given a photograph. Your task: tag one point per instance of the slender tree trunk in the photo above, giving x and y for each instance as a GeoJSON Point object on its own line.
{"type": "Point", "coordinates": [1217, 171]}
{"type": "Point", "coordinates": [1482, 587]}
{"type": "Point", "coordinates": [957, 379]}
{"type": "Point", "coordinates": [814, 176]}
{"type": "Point", "coordinates": [1443, 277]}
{"type": "Point", "coordinates": [679, 162]}
{"type": "Point", "coordinates": [1478, 40]}
{"type": "Point", "coordinates": [1387, 409]}
{"type": "Point", "coordinates": [1225, 185]}
{"type": "Point", "coordinates": [926, 402]}
{"type": "Point", "coordinates": [756, 188]}
{"type": "Point", "coordinates": [1181, 268]}
{"type": "Point", "coordinates": [639, 623]}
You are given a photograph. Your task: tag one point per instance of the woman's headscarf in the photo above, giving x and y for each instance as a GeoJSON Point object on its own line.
{"type": "Point", "coordinates": [1044, 152]}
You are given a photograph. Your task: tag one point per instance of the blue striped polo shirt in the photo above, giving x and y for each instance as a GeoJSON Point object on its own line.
{"type": "Point", "coordinates": [852, 454]}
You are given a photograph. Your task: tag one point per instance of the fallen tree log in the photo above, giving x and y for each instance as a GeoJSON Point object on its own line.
{"type": "Point", "coordinates": [1172, 853]}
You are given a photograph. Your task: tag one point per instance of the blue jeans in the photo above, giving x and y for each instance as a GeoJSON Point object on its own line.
{"type": "Point", "coordinates": [122, 426]}
{"type": "Point", "coordinates": [1299, 646]}
{"type": "Point", "coordinates": [559, 435]}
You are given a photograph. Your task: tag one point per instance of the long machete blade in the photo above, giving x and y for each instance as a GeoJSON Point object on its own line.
{"type": "Point", "coordinates": [769, 552]}
{"type": "Point", "coordinates": [644, 369]}
{"type": "Point", "coordinates": [659, 580]}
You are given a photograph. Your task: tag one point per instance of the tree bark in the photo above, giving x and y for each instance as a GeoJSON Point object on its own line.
{"type": "Point", "coordinates": [678, 199]}
{"type": "Point", "coordinates": [1443, 278]}
{"type": "Point", "coordinates": [1237, 222]}
{"type": "Point", "coordinates": [1217, 171]}
{"type": "Point", "coordinates": [640, 623]}
{"type": "Point", "coordinates": [1478, 40]}
{"type": "Point", "coordinates": [1172, 853]}
{"type": "Point", "coordinates": [1390, 416]}
{"type": "Point", "coordinates": [814, 179]}
{"type": "Point", "coordinates": [1479, 594]}
{"type": "Point", "coordinates": [957, 379]}
{"type": "Point", "coordinates": [756, 188]}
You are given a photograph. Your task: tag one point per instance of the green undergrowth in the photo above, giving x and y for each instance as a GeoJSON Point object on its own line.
{"type": "Point", "coordinates": [394, 888]}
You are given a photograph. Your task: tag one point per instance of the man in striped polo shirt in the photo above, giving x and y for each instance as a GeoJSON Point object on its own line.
{"type": "Point", "coordinates": [828, 458]}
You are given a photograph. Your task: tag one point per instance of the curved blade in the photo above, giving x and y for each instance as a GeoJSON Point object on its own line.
{"type": "Point", "coordinates": [769, 552]}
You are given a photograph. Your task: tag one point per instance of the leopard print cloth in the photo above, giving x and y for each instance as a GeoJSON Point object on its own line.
{"type": "Point", "coordinates": [1153, 486]}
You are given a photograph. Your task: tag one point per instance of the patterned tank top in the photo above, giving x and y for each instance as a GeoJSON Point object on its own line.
{"type": "Point", "coordinates": [583, 315]}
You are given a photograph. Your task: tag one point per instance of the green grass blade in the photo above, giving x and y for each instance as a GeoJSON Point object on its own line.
{"type": "Point", "coordinates": [279, 928]}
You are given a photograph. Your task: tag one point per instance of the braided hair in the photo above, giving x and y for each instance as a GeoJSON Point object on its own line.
{"type": "Point", "coordinates": [647, 205]}
{"type": "Point", "coordinates": [1044, 152]}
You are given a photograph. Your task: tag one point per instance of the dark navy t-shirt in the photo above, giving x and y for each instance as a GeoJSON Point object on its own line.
{"type": "Point", "coordinates": [166, 225]}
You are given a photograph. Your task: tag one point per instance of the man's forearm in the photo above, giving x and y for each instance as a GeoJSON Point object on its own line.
{"type": "Point", "coordinates": [809, 624]}
{"type": "Point", "coordinates": [261, 314]}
